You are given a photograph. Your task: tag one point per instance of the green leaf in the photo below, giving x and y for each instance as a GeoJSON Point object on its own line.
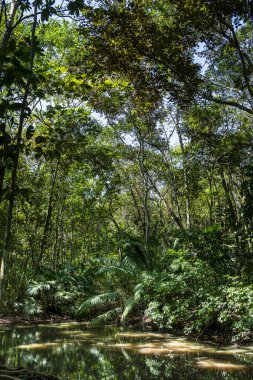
{"type": "Point", "coordinates": [98, 300]}
{"type": "Point", "coordinates": [40, 139]}
{"type": "Point", "coordinates": [105, 317]}
{"type": "Point", "coordinates": [29, 132]}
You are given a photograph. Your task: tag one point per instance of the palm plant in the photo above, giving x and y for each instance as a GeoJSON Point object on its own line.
{"type": "Point", "coordinates": [120, 302]}
{"type": "Point", "coordinates": [55, 291]}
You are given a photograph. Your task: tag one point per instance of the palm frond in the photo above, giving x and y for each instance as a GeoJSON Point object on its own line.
{"type": "Point", "coordinates": [35, 288]}
{"type": "Point", "coordinates": [132, 301]}
{"type": "Point", "coordinates": [129, 305]}
{"type": "Point", "coordinates": [97, 300]}
{"type": "Point", "coordinates": [116, 269]}
{"type": "Point", "coordinates": [134, 251]}
{"type": "Point", "coordinates": [130, 264]}
{"type": "Point", "coordinates": [105, 317]}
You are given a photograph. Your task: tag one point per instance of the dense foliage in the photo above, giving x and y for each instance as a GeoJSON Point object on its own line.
{"type": "Point", "coordinates": [126, 162]}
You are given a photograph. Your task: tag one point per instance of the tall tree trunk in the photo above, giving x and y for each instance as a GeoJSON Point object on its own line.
{"type": "Point", "coordinates": [175, 217]}
{"type": "Point", "coordinates": [12, 188]}
{"type": "Point", "coordinates": [110, 213]}
{"type": "Point", "coordinates": [210, 200]}
{"type": "Point", "coordinates": [145, 196]}
{"type": "Point", "coordinates": [232, 211]}
{"type": "Point", "coordinates": [2, 160]}
{"type": "Point", "coordinates": [9, 23]}
{"type": "Point", "coordinates": [185, 172]}
{"type": "Point", "coordinates": [48, 219]}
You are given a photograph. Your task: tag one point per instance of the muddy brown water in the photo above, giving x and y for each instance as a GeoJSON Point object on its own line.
{"type": "Point", "coordinates": [71, 351]}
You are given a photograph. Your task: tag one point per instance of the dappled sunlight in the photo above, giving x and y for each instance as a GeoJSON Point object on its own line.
{"type": "Point", "coordinates": [249, 348]}
{"type": "Point", "coordinates": [39, 346]}
{"type": "Point", "coordinates": [187, 347]}
{"type": "Point", "coordinates": [231, 351]}
{"type": "Point", "coordinates": [66, 325]}
{"type": "Point", "coordinates": [130, 346]}
{"type": "Point", "coordinates": [162, 347]}
{"type": "Point", "coordinates": [142, 335]}
{"type": "Point", "coordinates": [108, 350]}
{"type": "Point", "coordinates": [83, 335]}
{"type": "Point", "coordinates": [77, 333]}
{"type": "Point", "coordinates": [217, 365]}
{"type": "Point", "coordinates": [153, 351]}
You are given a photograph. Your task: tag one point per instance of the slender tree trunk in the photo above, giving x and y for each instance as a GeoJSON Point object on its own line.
{"type": "Point", "coordinates": [174, 216]}
{"type": "Point", "coordinates": [145, 195]}
{"type": "Point", "coordinates": [210, 202]}
{"type": "Point", "coordinates": [174, 196]}
{"type": "Point", "coordinates": [118, 230]}
{"type": "Point", "coordinates": [164, 225]}
{"type": "Point", "coordinates": [12, 188]}
{"type": "Point", "coordinates": [2, 164]}
{"type": "Point", "coordinates": [9, 24]}
{"type": "Point", "coordinates": [9, 21]}
{"type": "Point", "coordinates": [56, 242]}
{"type": "Point", "coordinates": [137, 208]}
{"type": "Point", "coordinates": [232, 211]}
{"type": "Point", "coordinates": [48, 219]}
{"type": "Point", "coordinates": [185, 173]}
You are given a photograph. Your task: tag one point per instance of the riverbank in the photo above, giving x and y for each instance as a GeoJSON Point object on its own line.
{"type": "Point", "coordinates": [24, 320]}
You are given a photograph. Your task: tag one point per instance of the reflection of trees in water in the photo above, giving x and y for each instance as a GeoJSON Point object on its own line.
{"type": "Point", "coordinates": [76, 355]}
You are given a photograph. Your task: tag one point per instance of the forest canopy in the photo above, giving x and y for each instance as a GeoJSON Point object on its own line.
{"type": "Point", "coordinates": [126, 162]}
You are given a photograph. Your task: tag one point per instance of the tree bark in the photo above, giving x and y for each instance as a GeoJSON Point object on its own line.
{"type": "Point", "coordinates": [12, 187]}
{"type": "Point", "coordinates": [9, 22]}
{"type": "Point", "coordinates": [185, 172]}
{"type": "Point", "coordinates": [48, 219]}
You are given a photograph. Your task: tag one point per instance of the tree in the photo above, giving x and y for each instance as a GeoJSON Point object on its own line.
{"type": "Point", "coordinates": [166, 42]}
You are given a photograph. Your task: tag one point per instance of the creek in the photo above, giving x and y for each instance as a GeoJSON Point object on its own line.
{"type": "Point", "coordinates": [71, 351]}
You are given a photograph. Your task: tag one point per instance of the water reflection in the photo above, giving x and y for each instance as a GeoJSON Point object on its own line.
{"type": "Point", "coordinates": [215, 364]}
{"type": "Point", "coordinates": [72, 351]}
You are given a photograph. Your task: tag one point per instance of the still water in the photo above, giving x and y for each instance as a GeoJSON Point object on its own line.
{"type": "Point", "coordinates": [74, 352]}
